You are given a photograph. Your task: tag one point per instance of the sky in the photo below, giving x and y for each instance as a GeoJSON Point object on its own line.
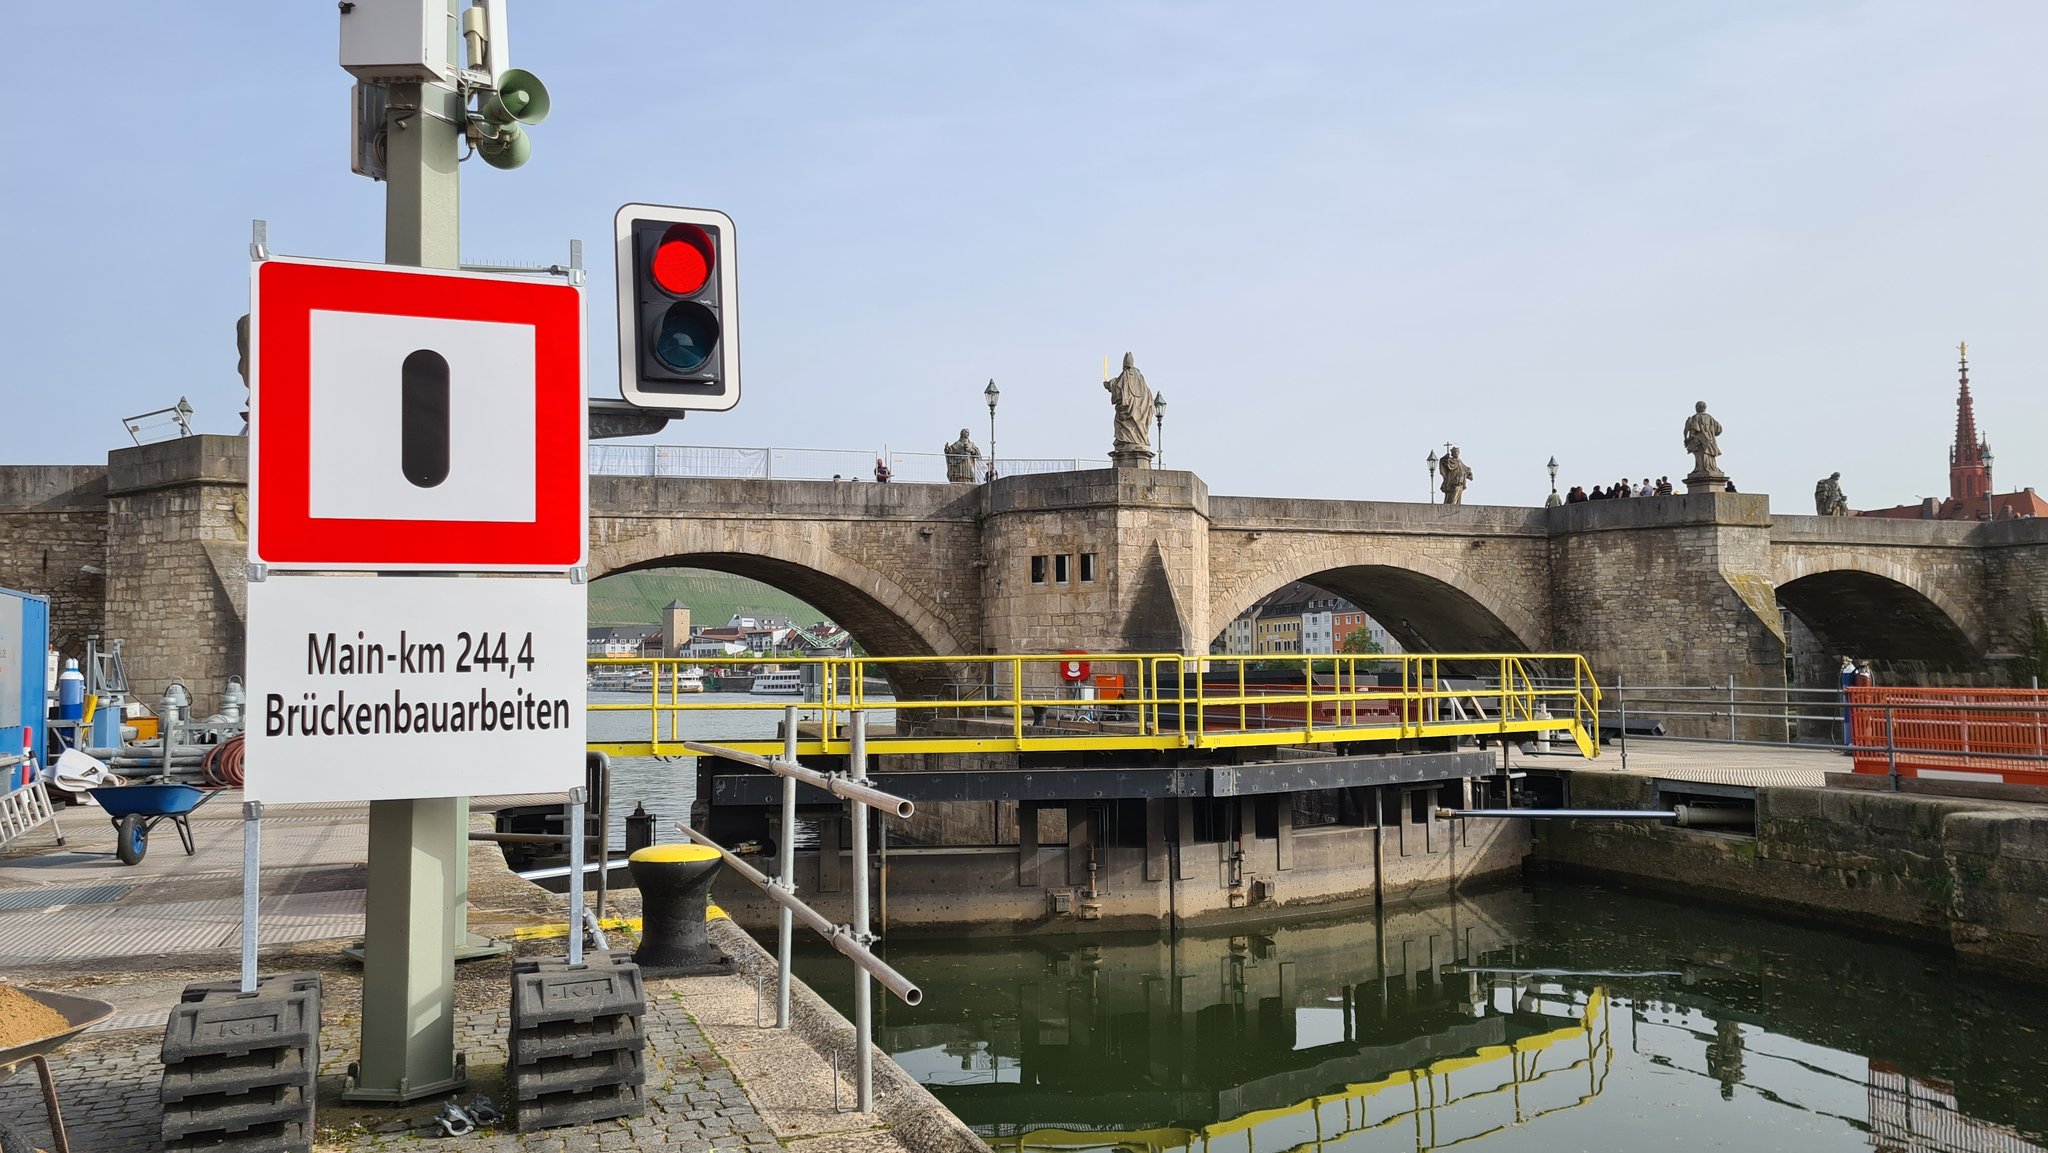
{"type": "Point", "coordinates": [1336, 235]}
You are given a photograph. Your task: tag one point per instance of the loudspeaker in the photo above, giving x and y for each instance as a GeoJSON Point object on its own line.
{"type": "Point", "coordinates": [511, 147]}
{"type": "Point", "coordinates": [520, 97]}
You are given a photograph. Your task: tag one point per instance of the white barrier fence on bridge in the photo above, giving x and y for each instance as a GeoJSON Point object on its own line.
{"type": "Point", "coordinates": [800, 463]}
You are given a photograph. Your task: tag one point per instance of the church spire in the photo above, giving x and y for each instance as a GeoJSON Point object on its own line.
{"type": "Point", "coordinates": [1969, 458]}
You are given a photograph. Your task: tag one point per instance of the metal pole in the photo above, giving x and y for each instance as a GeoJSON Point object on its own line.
{"type": "Point", "coordinates": [1891, 749]}
{"type": "Point", "coordinates": [785, 928]}
{"type": "Point", "coordinates": [1731, 706]}
{"type": "Point", "coordinates": [1620, 703]}
{"type": "Point", "coordinates": [576, 817]}
{"type": "Point", "coordinates": [252, 865]}
{"type": "Point", "coordinates": [604, 832]}
{"type": "Point", "coordinates": [863, 991]}
{"type": "Point", "coordinates": [1379, 849]}
{"type": "Point", "coordinates": [416, 904]}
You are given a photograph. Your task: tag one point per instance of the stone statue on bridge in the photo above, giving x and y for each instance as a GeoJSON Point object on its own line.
{"type": "Point", "coordinates": [1457, 474]}
{"type": "Point", "coordinates": [1702, 440]}
{"type": "Point", "coordinates": [963, 460]}
{"type": "Point", "coordinates": [1828, 499]}
{"type": "Point", "coordinates": [1132, 447]}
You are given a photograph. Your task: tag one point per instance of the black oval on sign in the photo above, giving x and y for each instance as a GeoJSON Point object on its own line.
{"type": "Point", "coordinates": [423, 418]}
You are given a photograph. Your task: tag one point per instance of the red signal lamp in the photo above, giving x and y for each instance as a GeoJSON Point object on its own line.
{"type": "Point", "coordinates": [683, 260]}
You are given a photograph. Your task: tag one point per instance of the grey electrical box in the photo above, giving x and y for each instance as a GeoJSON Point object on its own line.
{"type": "Point", "coordinates": [396, 41]}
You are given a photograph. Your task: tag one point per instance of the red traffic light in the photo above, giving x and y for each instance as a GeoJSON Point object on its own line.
{"type": "Point", "coordinates": [682, 261]}
{"type": "Point", "coordinates": [678, 308]}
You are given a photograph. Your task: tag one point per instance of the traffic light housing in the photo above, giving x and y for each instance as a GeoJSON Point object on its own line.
{"type": "Point", "coordinates": [678, 308]}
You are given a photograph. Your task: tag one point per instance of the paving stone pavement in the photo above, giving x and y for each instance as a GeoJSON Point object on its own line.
{"type": "Point", "coordinates": [108, 1085]}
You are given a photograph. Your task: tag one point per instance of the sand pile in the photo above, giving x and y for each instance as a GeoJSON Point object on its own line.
{"type": "Point", "coordinates": [24, 1019]}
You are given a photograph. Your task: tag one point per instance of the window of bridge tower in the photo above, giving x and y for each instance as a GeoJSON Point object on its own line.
{"type": "Point", "coordinates": [1038, 570]}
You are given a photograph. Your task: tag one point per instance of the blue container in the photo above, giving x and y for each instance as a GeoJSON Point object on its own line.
{"type": "Point", "coordinates": [71, 692]}
{"type": "Point", "coordinates": [24, 645]}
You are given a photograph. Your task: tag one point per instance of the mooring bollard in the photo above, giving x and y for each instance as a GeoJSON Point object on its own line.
{"type": "Point", "coordinates": [675, 890]}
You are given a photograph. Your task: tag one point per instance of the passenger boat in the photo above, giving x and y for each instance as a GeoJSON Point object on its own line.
{"type": "Point", "coordinates": [610, 679]}
{"type": "Point", "coordinates": [690, 680]}
{"type": "Point", "coordinates": [640, 680]}
{"type": "Point", "coordinates": [779, 682]}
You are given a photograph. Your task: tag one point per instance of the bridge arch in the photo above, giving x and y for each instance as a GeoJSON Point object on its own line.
{"type": "Point", "coordinates": [1864, 607]}
{"type": "Point", "coordinates": [883, 617]}
{"type": "Point", "coordinates": [1424, 602]}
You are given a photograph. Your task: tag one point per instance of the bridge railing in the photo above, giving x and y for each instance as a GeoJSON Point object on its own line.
{"type": "Point", "coordinates": [767, 463]}
{"type": "Point", "coordinates": [1046, 702]}
{"type": "Point", "coordinates": [1987, 735]}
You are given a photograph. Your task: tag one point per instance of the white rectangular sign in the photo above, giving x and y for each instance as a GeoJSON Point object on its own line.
{"type": "Point", "coordinates": [393, 687]}
{"type": "Point", "coordinates": [354, 470]}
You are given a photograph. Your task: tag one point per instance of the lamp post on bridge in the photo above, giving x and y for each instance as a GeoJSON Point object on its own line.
{"type": "Point", "coordinates": [991, 394]}
{"type": "Point", "coordinates": [1159, 416]}
{"type": "Point", "coordinates": [1432, 476]}
{"type": "Point", "coordinates": [1554, 500]}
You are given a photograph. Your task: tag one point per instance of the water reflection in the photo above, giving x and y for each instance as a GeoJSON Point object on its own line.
{"type": "Point", "coordinates": [1546, 1017]}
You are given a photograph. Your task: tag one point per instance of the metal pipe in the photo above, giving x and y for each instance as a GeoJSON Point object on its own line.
{"type": "Point", "coordinates": [1891, 750]}
{"type": "Point", "coordinates": [1589, 814]}
{"type": "Point", "coordinates": [1731, 706]}
{"type": "Point", "coordinates": [785, 929]}
{"type": "Point", "coordinates": [1621, 703]}
{"type": "Point", "coordinates": [833, 783]}
{"type": "Point", "coordinates": [252, 889]}
{"type": "Point", "coordinates": [1687, 816]}
{"type": "Point", "coordinates": [863, 993]}
{"type": "Point", "coordinates": [576, 798]}
{"type": "Point", "coordinates": [520, 838]}
{"type": "Point", "coordinates": [837, 936]}
{"type": "Point", "coordinates": [604, 832]}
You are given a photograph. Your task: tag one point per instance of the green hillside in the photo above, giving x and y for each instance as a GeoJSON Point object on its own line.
{"type": "Point", "coordinates": [637, 598]}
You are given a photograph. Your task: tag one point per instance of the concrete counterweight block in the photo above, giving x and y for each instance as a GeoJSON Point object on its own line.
{"type": "Point", "coordinates": [675, 892]}
{"type": "Point", "coordinates": [577, 1050]}
{"type": "Point", "coordinates": [240, 1068]}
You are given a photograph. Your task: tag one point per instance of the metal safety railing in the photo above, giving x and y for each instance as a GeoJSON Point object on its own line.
{"type": "Point", "coordinates": [851, 940]}
{"type": "Point", "coordinates": [1976, 734]}
{"type": "Point", "coordinates": [1070, 702]}
{"type": "Point", "coordinates": [851, 464]}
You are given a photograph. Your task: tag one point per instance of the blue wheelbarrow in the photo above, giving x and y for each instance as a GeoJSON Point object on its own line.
{"type": "Point", "coordinates": [136, 809]}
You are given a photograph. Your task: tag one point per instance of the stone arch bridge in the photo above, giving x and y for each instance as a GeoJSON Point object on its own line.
{"type": "Point", "coordinates": [1666, 590]}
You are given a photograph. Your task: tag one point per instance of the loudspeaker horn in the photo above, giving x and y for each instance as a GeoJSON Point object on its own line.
{"type": "Point", "coordinates": [510, 148]}
{"type": "Point", "coordinates": [520, 97]}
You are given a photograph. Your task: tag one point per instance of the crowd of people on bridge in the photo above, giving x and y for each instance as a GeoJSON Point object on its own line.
{"type": "Point", "coordinates": [1621, 489]}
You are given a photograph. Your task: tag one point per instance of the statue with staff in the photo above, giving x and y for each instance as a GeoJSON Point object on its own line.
{"type": "Point", "coordinates": [1132, 446]}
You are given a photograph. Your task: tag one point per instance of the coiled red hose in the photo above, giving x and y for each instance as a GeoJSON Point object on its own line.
{"type": "Point", "coordinates": [223, 764]}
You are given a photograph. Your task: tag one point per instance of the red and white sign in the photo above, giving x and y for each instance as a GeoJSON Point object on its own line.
{"type": "Point", "coordinates": [1074, 670]}
{"type": "Point", "coordinates": [334, 484]}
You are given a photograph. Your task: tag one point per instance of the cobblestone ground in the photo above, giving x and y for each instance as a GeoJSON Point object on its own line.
{"type": "Point", "coordinates": [108, 1085]}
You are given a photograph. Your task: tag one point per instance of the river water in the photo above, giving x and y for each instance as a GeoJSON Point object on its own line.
{"type": "Point", "coordinates": [1546, 1017]}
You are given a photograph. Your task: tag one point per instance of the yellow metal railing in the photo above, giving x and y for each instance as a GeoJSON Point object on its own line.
{"type": "Point", "coordinates": [1023, 703]}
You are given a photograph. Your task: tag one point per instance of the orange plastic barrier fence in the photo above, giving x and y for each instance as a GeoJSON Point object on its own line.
{"type": "Point", "coordinates": [1952, 734]}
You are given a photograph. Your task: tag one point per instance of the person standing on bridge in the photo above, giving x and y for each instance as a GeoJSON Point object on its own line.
{"type": "Point", "coordinates": [882, 473]}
